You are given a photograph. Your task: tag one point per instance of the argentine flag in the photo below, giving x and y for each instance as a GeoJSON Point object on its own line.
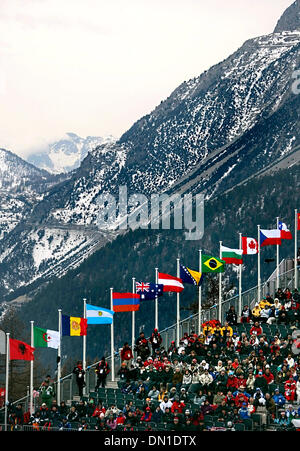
{"type": "Point", "coordinates": [98, 315]}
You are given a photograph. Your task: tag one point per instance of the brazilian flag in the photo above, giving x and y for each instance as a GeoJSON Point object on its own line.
{"type": "Point", "coordinates": [212, 264]}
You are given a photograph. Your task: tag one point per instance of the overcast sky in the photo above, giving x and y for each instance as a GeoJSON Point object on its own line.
{"type": "Point", "coordinates": [94, 67]}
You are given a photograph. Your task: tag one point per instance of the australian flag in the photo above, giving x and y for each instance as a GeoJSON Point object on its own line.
{"type": "Point", "coordinates": [148, 291]}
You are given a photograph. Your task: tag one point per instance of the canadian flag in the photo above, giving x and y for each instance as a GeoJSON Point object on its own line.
{"type": "Point", "coordinates": [249, 246]}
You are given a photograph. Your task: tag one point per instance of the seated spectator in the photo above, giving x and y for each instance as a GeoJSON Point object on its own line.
{"type": "Point", "coordinates": [157, 415]}
{"type": "Point", "coordinates": [256, 329]}
{"type": "Point", "coordinates": [205, 380]}
{"type": "Point", "coordinates": [282, 420]}
{"type": "Point", "coordinates": [147, 415]}
{"type": "Point", "coordinates": [166, 403]}
{"type": "Point", "coordinates": [72, 415]}
{"type": "Point", "coordinates": [153, 393]}
{"type": "Point", "coordinates": [244, 412]}
{"type": "Point", "coordinates": [265, 314]}
{"type": "Point", "coordinates": [111, 423]}
{"type": "Point", "coordinates": [64, 424]}
{"type": "Point", "coordinates": [177, 405]}
{"type": "Point", "coordinates": [177, 378]}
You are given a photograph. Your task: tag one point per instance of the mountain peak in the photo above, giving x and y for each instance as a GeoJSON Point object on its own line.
{"type": "Point", "coordinates": [290, 19]}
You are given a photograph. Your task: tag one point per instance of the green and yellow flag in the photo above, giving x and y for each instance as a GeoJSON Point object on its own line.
{"type": "Point", "coordinates": [212, 264]}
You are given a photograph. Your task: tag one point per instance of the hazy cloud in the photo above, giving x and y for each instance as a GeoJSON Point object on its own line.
{"type": "Point", "coordinates": [95, 66]}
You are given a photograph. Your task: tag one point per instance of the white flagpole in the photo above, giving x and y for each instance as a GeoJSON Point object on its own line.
{"type": "Point", "coordinates": [112, 345]}
{"type": "Point", "coordinates": [59, 358]}
{"type": "Point", "coordinates": [84, 344]}
{"type": "Point", "coordinates": [258, 267]}
{"type": "Point", "coordinates": [6, 381]}
{"type": "Point", "coordinates": [240, 280]}
{"type": "Point", "coordinates": [178, 306]}
{"type": "Point", "coordinates": [296, 243]}
{"type": "Point", "coordinates": [277, 259]}
{"type": "Point", "coordinates": [133, 317]}
{"type": "Point", "coordinates": [220, 287]}
{"type": "Point", "coordinates": [156, 300]}
{"type": "Point", "coordinates": [200, 295]}
{"type": "Point", "coordinates": [31, 372]}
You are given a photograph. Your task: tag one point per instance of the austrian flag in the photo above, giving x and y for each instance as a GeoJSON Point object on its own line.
{"type": "Point", "coordinates": [170, 283]}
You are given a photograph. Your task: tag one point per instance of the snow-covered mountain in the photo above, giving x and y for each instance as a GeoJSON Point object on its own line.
{"type": "Point", "coordinates": [66, 154]}
{"type": "Point", "coordinates": [212, 133]}
{"type": "Point", "coordinates": [22, 185]}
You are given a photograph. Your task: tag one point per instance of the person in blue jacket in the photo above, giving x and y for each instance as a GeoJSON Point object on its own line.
{"type": "Point", "coordinates": [279, 398]}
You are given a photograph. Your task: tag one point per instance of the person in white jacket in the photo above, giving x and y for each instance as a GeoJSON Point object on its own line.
{"type": "Point", "coordinates": [165, 403]}
{"type": "Point", "coordinates": [206, 379]}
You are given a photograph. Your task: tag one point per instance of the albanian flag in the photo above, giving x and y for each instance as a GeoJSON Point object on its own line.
{"type": "Point", "coordinates": [20, 351]}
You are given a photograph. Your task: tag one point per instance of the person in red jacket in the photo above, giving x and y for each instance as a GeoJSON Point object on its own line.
{"type": "Point", "coordinates": [121, 418]}
{"type": "Point", "coordinates": [177, 405]}
{"type": "Point", "coordinates": [126, 355]}
{"type": "Point", "coordinates": [240, 399]}
{"type": "Point", "coordinates": [256, 329]}
{"type": "Point", "coordinates": [290, 389]}
{"type": "Point", "coordinates": [147, 415]}
{"type": "Point", "coordinates": [268, 376]}
{"type": "Point", "coordinates": [231, 381]}
{"type": "Point", "coordinates": [99, 411]}
{"type": "Point", "coordinates": [241, 381]}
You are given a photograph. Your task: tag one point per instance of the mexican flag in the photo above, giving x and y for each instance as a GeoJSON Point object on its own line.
{"type": "Point", "coordinates": [45, 338]}
{"type": "Point", "coordinates": [232, 256]}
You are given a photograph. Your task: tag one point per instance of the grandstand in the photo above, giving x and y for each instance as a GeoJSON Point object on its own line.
{"type": "Point", "coordinates": [260, 389]}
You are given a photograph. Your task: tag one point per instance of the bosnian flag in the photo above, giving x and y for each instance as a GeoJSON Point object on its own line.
{"type": "Point", "coordinates": [270, 237]}
{"type": "Point", "coordinates": [285, 232]}
{"type": "Point", "coordinates": [249, 246]}
{"type": "Point", "coordinates": [170, 283]}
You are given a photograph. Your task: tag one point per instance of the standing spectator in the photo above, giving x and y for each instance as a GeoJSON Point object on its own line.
{"type": "Point", "coordinates": [47, 393]}
{"type": "Point", "coordinates": [142, 347]}
{"type": "Point", "coordinates": [102, 370]}
{"type": "Point", "coordinates": [79, 373]}
{"type": "Point", "coordinates": [279, 398]}
{"type": "Point", "coordinates": [256, 313]}
{"type": "Point", "coordinates": [126, 355]}
{"type": "Point", "coordinates": [260, 382]}
{"type": "Point", "coordinates": [155, 341]}
{"type": "Point", "coordinates": [231, 316]}
{"type": "Point", "coordinates": [246, 314]}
